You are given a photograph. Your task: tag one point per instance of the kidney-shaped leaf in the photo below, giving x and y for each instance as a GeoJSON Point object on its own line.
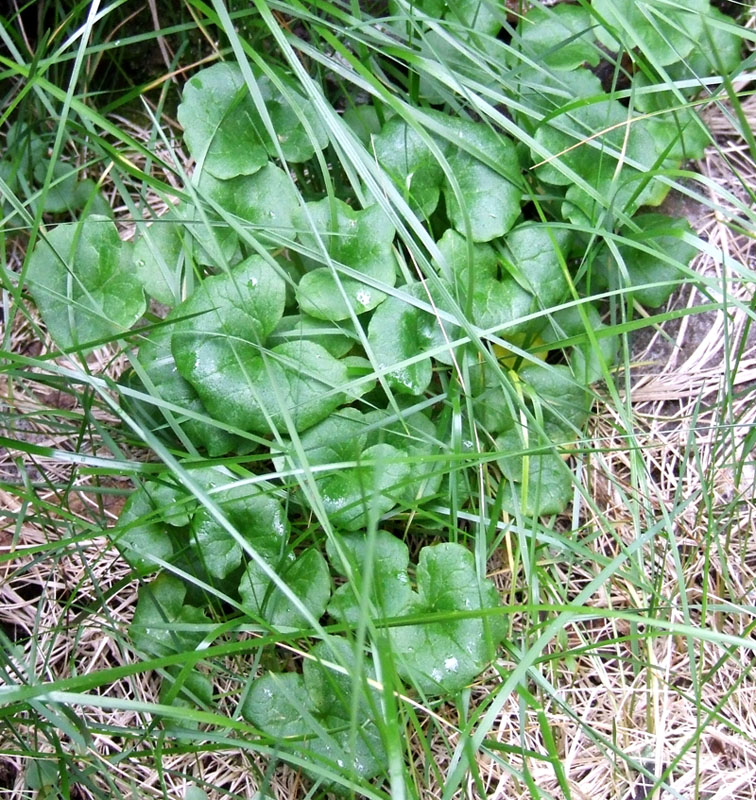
{"type": "Point", "coordinates": [560, 37]}
{"type": "Point", "coordinates": [265, 200]}
{"type": "Point", "coordinates": [665, 265]}
{"type": "Point", "coordinates": [218, 117]}
{"type": "Point", "coordinates": [82, 280]}
{"type": "Point", "coordinates": [663, 32]}
{"type": "Point", "coordinates": [141, 533]}
{"type": "Point", "coordinates": [225, 132]}
{"type": "Point", "coordinates": [485, 165]}
{"type": "Point", "coordinates": [498, 300]}
{"type": "Point", "coordinates": [399, 331]}
{"type": "Point", "coordinates": [156, 358]}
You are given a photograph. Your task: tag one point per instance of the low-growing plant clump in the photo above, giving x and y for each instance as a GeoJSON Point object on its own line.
{"type": "Point", "coordinates": [338, 370]}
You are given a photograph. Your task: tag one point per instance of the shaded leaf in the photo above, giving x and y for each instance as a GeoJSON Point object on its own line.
{"type": "Point", "coordinates": [664, 235]}
{"type": "Point", "coordinates": [666, 32]}
{"type": "Point", "coordinates": [408, 160]}
{"type": "Point", "coordinates": [141, 533]}
{"type": "Point", "coordinates": [162, 624]}
{"type": "Point", "coordinates": [490, 198]}
{"type": "Point", "coordinates": [316, 708]}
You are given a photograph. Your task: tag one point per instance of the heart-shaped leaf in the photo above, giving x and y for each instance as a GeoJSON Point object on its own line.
{"type": "Point", "coordinates": [671, 253]}
{"type": "Point", "coordinates": [445, 653]}
{"type": "Point", "coordinates": [307, 576]}
{"type": "Point", "coordinates": [399, 331]}
{"type": "Point", "coordinates": [223, 128]}
{"type": "Point", "coordinates": [560, 37]}
{"type": "Point", "coordinates": [487, 170]}
{"type": "Point", "coordinates": [498, 300]}
{"type": "Point", "coordinates": [141, 533]}
{"type": "Point", "coordinates": [82, 280]}
{"type": "Point", "coordinates": [535, 256]}
{"type": "Point", "coordinates": [162, 623]}
{"type": "Point", "coordinates": [156, 358]}
{"type": "Point", "coordinates": [410, 163]}
{"type": "Point", "coordinates": [540, 482]}
{"type": "Point", "coordinates": [258, 518]}
{"type": "Point", "coordinates": [666, 32]}
{"type": "Point", "coordinates": [266, 200]}
{"type": "Point", "coordinates": [218, 349]}
{"type": "Point", "coordinates": [360, 240]}
{"type": "Point", "coordinates": [219, 121]}
{"type": "Point", "coordinates": [313, 714]}
{"type": "Point", "coordinates": [373, 486]}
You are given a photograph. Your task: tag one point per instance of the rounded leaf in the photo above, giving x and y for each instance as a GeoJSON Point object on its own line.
{"type": "Point", "coordinates": [82, 280]}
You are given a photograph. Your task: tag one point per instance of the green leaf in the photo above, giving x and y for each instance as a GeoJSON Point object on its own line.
{"type": "Point", "coordinates": [83, 284]}
{"type": "Point", "coordinates": [257, 517]}
{"type": "Point", "coordinates": [266, 201]}
{"type": "Point", "coordinates": [671, 254]}
{"type": "Point", "coordinates": [360, 240]}
{"type": "Point", "coordinates": [493, 404]}
{"type": "Point", "coordinates": [296, 142]}
{"type": "Point", "coordinates": [337, 338]}
{"type": "Point", "coordinates": [542, 483]}
{"type": "Point", "coordinates": [416, 437]}
{"type": "Point", "coordinates": [559, 399]}
{"type": "Point", "coordinates": [666, 32]}
{"type": "Point", "coordinates": [219, 121]}
{"type": "Point", "coordinates": [490, 198]}
{"type": "Point", "coordinates": [315, 710]}
{"type": "Point", "coordinates": [141, 534]}
{"type": "Point", "coordinates": [156, 358]}
{"type": "Point", "coordinates": [447, 652]}
{"type": "Point", "coordinates": [408, 160]}
{"type": "Point", "coordinates": [219, 352]}
{"type": "Point", "coordinates": [224, 131]}
{"type": "Point", "coordinates": [560, 37]}
{"type": "Point", "coordinates": [245, 303]}
{"type": "Point", "coordinates": [352, 496]}
{"type": "Point", "coordinates": [535, 254]}
{"type": "Point", "coordinates": [374, 485]}
{"type": "Point", "coordinates": [597, 139]}
{"type": "Point", "coordinates": [159, 260]}
{"type": "Point", "coordinates": [496, 301]}
{"type": "Point", "coordinates": [584, 360]}
{"type": "Point", "coordinates": [545, 92]}
{"type": "Point", "coordinates": [162, 624]}
{"type": "Point", "coordinates": [399, 331]}
{"type": "Point", "coordinates": [388, 559]}
{"type": "Point", "coordinates": [61, 194]}
{"type": "Point", "coordinates": [196, 690]}
{"type": "Point", "coordinates": [307, 576]}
